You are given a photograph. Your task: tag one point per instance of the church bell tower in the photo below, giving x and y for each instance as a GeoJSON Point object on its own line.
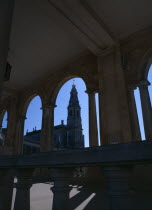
{"type": "Point", "coordinates": [74, 125]}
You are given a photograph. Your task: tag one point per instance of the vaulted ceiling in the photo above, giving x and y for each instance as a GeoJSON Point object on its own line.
{"type": "Point", "coordinates": [48, 34]}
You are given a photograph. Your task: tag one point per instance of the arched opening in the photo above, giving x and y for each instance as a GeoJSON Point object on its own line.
{"type": "Point", "coordinates": [3, 127]}
{"type": "Point", "coordinates": [71, 116]}
{"type": "Point", "coordinates": [144, 110]}
{"type": "Point", "coordinates": [150, 80]}
{"type": "Point", "coordinates": [32, 127]}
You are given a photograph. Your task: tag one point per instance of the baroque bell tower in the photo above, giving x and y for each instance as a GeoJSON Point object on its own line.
{"type": "Point", "coordinates": [74, 136]}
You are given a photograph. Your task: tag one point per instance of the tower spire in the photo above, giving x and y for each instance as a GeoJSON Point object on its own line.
{"type": "Point", "coordinates": [74, 120]}
{"type": "Point", "coordinates": [74, 116]}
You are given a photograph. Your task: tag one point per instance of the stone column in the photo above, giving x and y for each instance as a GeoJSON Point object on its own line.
{"type": "Point", "coordinates": [6, 11]}
{"type": "Point", "coordinates": [115, 125]}
{"type": "Point", "coordinates": [93, 128]}
{"type": "Point", "coordinates": [61, 189]}
{"type": "Point", "coordinates": [146, 108]}
{"type": "Point", "coordinates": [11, 126]}
{"type": "Point", "coordinates": [19, 134]}
{"type": "Point", "coordinates": [133, 114]}
{"type": "Point", "coordinates": [117, 187]}
{"type": "Point", "coordinates": [6, 189]}
{"type": "Point", "coordinates": [46, 141]}
{"type": "Point", "coordinates": [23, 185]}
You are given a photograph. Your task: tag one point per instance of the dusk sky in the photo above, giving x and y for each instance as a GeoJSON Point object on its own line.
{"type": "Point", "coordinates": [34, 113]}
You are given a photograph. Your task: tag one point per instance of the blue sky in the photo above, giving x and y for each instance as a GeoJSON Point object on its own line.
{"type": "Point", "coordinates": [34, 113]}
{"type": "Point", "coordinates": [60, 112]}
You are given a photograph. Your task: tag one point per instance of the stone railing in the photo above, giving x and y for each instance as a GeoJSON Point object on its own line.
{"type": "Point", "coordinates": [116, 161]}
{"type": "Point", "coordinates": [4, 150]}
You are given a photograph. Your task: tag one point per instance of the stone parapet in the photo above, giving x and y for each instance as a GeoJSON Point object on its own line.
{"type": "Point", "coordinates": [126, 153]}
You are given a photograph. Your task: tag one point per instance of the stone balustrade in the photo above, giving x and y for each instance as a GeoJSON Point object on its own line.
{"type": "Point", "coordinates": [116, 162]}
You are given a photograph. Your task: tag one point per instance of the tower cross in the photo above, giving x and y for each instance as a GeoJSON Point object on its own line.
{"type": "Point", "coordinates": [73, 83]}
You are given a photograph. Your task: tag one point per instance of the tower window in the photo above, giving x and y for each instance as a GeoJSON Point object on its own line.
{"type": "Point", "coordinates": [70, 112]}
{"type": "Point", "coordinates": [77, 113]}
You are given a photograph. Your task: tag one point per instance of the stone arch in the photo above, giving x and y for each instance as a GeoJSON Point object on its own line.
{"type": "Point", "coordinates": [27, 102]}
{"type": "Point", "coordinates": [62, 108]}
{"type": "Point", "coordinates": [57, 88]}
{"type": "Point", "coordinates": [145, 64]}
{"type": "Point", "coordinates": [143, 95]}
{"type": "Point", "coordinates": [24, 104]}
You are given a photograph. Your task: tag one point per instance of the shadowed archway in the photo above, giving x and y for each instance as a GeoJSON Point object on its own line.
{"type": "Point", "coordinates": [62, 102]}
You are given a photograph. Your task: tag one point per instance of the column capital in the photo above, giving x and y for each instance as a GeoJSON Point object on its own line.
{"type": "Point", "coordinates": [144, 83]}
{"type": "Point", "coordinates": [48, 106]}
{"type": "Point", "coordinates": [132, 86]}
{"type": "Point", "coordinates": [91, 91]}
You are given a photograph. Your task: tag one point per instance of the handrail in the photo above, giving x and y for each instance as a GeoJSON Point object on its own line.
{"type": "Point", "coordinates": [116, 154]}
